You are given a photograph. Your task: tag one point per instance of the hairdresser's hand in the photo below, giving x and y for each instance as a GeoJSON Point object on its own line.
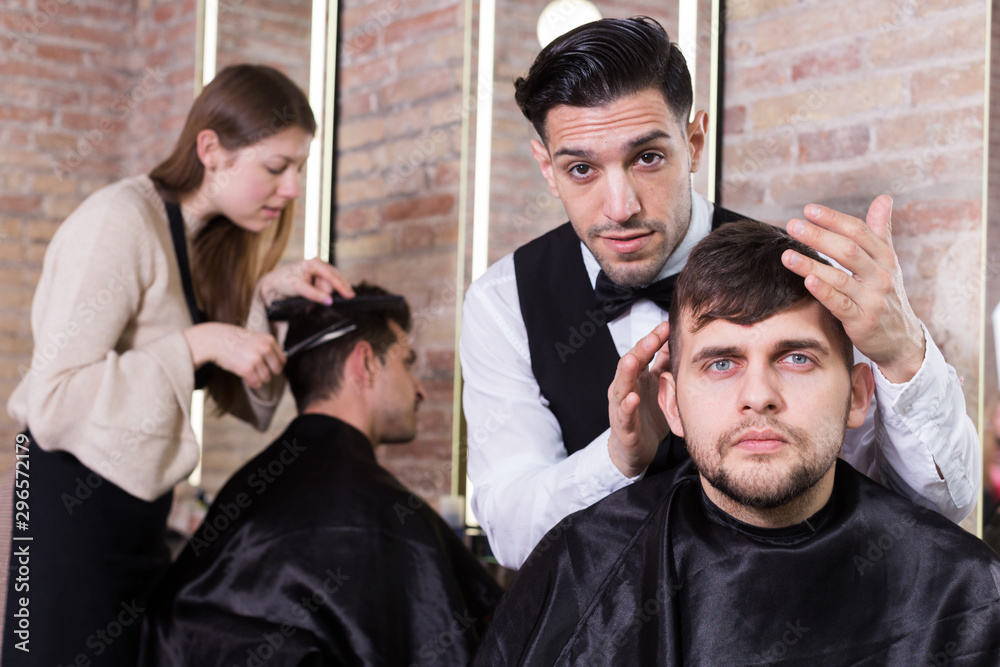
{"type": "Point", "coordinates": [311, 278]}
{"type": "Point", "coordinates": [637, 423]}
{"type": "Point", "coordinates": [253, 356]}
{"type": "Point", "coordinates": [871, 303]}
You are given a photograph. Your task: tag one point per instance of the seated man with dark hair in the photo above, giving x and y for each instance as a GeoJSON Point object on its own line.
{"type": "Point", "coordinates": [313, 554]}
{"type": "Point", "coordinates": [764, 548]}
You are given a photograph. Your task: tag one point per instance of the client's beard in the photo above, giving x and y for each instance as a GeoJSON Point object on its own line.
{"type": "Point", "coordinates": [763, 488]}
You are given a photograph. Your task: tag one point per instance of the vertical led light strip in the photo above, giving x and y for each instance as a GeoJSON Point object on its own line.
{"type": "Point", "coordinates": [328, 120]}
{"type": "Point", "coordinates": [458, 470]}
{"type": "Point", "coordinates": [205, 64]}
{"type": "Point", "coordinates": [687, 37]}
{"type": "Point", "coordinates": [484, 136]}
{"type": "Point", "coordinates": [317, 100]}
{"type": "Point", "coordinates": [713, 102]}
{"type": "Point", "coordinates": [983, 311]}
{"type": "Point", "coordinates": [210, 44]}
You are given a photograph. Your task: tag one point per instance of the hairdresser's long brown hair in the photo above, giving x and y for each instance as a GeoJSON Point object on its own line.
{"type": "Point", "coordinates": [244, 104]}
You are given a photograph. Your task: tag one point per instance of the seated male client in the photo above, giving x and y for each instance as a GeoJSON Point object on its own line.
{"type": "Point", "coordinates": [764, 548]}
{"type": "Point", "coordinates": [313, 554]}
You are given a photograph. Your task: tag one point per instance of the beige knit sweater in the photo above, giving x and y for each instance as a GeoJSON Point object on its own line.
{"type": "Point", "coordinates": [111, 376]}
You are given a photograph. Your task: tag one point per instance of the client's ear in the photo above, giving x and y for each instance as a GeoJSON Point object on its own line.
{"type": "Point", "coordinates": [359, 368]}
{"type": "Point", "coordinates": [667, 398]}
{"type": "Point", "coordinates": [862, 388]}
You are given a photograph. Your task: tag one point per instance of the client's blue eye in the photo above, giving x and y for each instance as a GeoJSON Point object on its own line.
{"type": "Point", "coordinates": [722, 365]}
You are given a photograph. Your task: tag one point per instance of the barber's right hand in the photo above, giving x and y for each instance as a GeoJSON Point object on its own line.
{"type": "Point", "coordinates": [637, 423]}
{"type": "Point", "coordinates": [254, 356]}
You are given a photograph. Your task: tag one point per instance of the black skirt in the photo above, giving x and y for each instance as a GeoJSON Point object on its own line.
{"type": "Point", "coordinates": [84, 556]}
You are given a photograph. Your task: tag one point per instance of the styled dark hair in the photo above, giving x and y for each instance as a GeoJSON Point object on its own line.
{"type": "Point", "coordinates": [318, 373]}
{"type": "Point", "coordinates": [243, 104]}
{"type": "Point", "coordinates": [600, 62]}
{"type": "Point", "coordinates": [735, 274]}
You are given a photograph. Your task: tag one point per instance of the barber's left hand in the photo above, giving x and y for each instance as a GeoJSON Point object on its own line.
{"type": "Point", "coordinates": [871, 304]}
{"type": "Point", "coordinates": [311, 278]}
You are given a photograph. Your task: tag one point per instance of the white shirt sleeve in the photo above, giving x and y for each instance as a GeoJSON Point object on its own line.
{"type": "Point", "coordinates": [920, 427]}
{"type": "Point", "coordinates": [523, 481]}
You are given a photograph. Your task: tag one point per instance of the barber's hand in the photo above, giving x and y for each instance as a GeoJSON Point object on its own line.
{"type": "Point", "coordinates": [637, 423]}
{"type": "Point", "coordinates": [255, 357]}
{"type": "Point", "coordinates": [871, 304]}
{"type": "Point", "coordinates": [311, 278]}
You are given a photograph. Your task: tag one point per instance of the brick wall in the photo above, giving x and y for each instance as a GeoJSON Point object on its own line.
{"type": "Point", "coordinates": [96, 90]}
{"type": "Point", "coordinates": [895, 106]}
{"type": "Point", "coordinates": [399, 87]}
{"type": "Point", "coordinates": [816, 113]}
{"type": "Point", "coordinates": [991, 383]}
{"type": "Point", "coordinates": [276, 34]}
{"type": "Point", "coordinates": [89, 91]}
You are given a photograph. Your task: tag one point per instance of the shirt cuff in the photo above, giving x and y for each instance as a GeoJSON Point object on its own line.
{"type": "Point", "coordinates": [596, 474]}
{"type": "Point", "coordinates": [910, 402]}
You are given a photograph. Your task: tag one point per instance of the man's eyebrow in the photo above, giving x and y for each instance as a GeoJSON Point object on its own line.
{"type": "Point", "coordinates": [716, 351]}
{"type": "Point", "coordinates": [646, 138]}
{"type": "Point", "coordinates": [630, 146]}
{"type": "Point", "coordinates": [803, 344]}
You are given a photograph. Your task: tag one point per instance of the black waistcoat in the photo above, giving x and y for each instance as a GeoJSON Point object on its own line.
{"type": "Point", "coordinates": [573, 356]}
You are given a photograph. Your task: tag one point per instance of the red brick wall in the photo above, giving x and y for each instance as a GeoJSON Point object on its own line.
{"type": "Point", "coordinates": [89, 91]}
{"type": "Point", "coordinates": [816, 113]}
{"type": "Point", "coordinates": [276, 34]}
{"type": "Point", "coordinates": [813, 113]}
{"type": "Point", "coordinates": [894, 105]}
{"type": "Point", "coordinates": [399, 87]}
{"type": "Point", "coordinates": [521, 207]}
{"type": "Point", "coordinates": [992, 390]}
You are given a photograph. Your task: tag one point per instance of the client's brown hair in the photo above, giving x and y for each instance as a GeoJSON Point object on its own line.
{"type": "Point", "coordinates": [318, 373]}
{"type": "Point", "coordinates": [735, 274]}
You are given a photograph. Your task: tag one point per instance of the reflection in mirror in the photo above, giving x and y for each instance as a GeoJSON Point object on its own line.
{"type": "Point", "coordinates": [521, 207]}
{"type": "Point", "coordinates": [279, 35]}
{"type": "Point", "coordinates": [991, 349]}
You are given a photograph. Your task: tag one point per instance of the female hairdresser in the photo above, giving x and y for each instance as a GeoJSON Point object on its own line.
{"type": "Point", "coordinates": [154, 286]}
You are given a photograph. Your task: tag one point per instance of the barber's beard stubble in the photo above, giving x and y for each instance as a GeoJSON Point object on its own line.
{"type": "Point", "coordinates": [639, 273]}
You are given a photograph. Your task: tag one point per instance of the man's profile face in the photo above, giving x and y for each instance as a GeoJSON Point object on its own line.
{"type": "Point", "coordinates": [398, 393]}
{"type": "Point", "coordinates": [623, 173]}
{"type": "Point", "coordinates": [763, 408]}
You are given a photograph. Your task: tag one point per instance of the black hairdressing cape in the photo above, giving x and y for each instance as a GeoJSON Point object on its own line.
{"type": "Point", "coordinates": [312, 554]}
{"type": "Point", "coordinates": [655, 574]}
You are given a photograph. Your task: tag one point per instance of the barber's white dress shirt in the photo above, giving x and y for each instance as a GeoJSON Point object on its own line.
{"type": "Point", "coordinates": [524, 482]}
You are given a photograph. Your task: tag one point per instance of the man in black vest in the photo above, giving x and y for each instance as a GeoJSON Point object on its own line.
{"type": "Point", "coordinates": [544, 329]}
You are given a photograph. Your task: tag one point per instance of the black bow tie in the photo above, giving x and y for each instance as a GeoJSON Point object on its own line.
{"type": "Point", "coordinates": [615, 299]}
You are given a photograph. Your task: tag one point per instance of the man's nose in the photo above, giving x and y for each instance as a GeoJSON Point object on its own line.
{"type": "Point", "coordinates": [621, 201]}
{"type": "Point", "coordinates": [759, 391]}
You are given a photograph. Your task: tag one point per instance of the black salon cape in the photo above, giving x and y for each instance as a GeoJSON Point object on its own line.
{"type": "Point", "coordinates": [657, 575]}
{"type": "Point", "coordinates": [319, 557]}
